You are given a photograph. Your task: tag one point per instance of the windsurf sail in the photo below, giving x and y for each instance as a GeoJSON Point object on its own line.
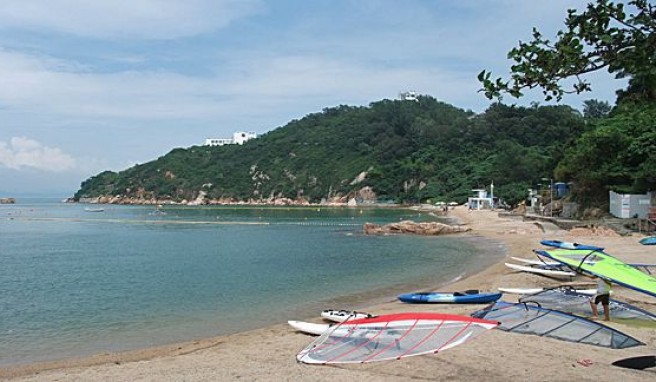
{"type": "Point", "coordinates": [603, 265]}
{"type": "Point", "coordinates": [392, 336]}
{"type": "Point", "coordinates": [531, 319]}
{"type": "Point", "coordinates": [545, 264]}
{"type": "Point", "coordinates": [569, 300]}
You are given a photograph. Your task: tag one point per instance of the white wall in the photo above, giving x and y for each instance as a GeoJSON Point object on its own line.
{"type": "Point", "coordinates": [626, 206]}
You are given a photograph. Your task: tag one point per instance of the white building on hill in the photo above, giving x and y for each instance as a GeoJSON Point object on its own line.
{"type": "Point", "coordinates": [408, 96]}
{"type": "Point", "coordinates": [238, 138]}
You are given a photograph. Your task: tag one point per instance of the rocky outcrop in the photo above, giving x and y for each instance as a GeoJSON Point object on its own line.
{"type": "Point", "coordinates": [7, 200]}
{"type": "Point", "coordinates": [363, 196]}
{"type": "Point", "coordinates": [410, 227]}
{"type": "Point", "coordinates": [200, 199]}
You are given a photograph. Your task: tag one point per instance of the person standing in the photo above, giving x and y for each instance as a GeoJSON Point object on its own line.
{"type": "Point", "coordinates": [601, 296]}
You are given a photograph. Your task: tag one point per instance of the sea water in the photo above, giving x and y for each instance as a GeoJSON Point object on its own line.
{"type": "Point", "coordinates": [76, 282]}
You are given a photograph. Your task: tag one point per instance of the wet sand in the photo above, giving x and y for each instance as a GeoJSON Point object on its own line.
{"type": "Point", "coordinates": [269, 354]}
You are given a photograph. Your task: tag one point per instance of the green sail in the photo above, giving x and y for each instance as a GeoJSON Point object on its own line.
{"type": "Point", "coordinates": [601, 264]}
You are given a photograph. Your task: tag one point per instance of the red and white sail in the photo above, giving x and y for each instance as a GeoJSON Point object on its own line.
{"type": "Point", "coordinates": [391, 337]}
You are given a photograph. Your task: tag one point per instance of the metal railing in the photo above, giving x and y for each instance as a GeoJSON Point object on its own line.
{"type": "Point", "coordinates": [646, 225]}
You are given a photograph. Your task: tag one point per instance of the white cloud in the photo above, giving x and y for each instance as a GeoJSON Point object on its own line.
{"type": "Point", "coordinates": [309, 68]}
{"type": "Point", "coordinates": [45, 84]}
{"type": "Point", "coordinates": [250, 82]}
{"type": "Point", "coordinates": [119, 19]}
{"type": "Point", "coordinates": [23, 152]}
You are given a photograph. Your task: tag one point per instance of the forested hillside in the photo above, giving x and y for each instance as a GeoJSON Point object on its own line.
{"type": "Point", "coordinates": [405, 151]}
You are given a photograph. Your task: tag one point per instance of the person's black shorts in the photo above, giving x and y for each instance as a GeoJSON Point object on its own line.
{"type": "Point", "coordinates": [604, 299]}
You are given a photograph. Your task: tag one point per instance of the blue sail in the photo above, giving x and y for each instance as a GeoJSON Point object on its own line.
{"type": "Point", "coordinates": [528, 318]}
{"type": "Point", "coordinates": [568, 300]}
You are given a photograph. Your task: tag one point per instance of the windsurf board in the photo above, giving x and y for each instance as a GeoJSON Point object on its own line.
{"type": "Point", "coordinates": [525, 291]}
{"type": "Point", "coordinates": [309, 327]}
{"type": "Point", "coordinates": [340, 315]}
{"type": "Point", "coordinates": [569, 245]}
{"type": "Point", "coordinates": [541, 271]}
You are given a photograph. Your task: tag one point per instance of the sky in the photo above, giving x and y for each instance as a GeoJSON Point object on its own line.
{"type": "Point", "coordinates": [88, 86]}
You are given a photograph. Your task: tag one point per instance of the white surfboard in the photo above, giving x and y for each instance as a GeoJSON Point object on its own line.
{"type": "Point", "coordinates": [520, 290]}
{"type": "Point", "coordinates": [549, 263]}
{"type": "Point", "coordinates": [541, 271]}
{"type": "Point", "coordinates": [525, 291]}
{"type": "Point", "coordinates": [546, 263]}
{"type": "Point", "coordinates": [319, 329]}
{"type": "Point", "coordinates": [309, 327]}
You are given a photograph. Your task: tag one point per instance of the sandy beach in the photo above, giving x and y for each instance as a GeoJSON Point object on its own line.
{"type": "Point", "coordinates": [268, 354]}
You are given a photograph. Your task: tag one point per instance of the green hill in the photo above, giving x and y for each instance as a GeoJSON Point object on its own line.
{"type": "Point", "coordinates": [403, 151]}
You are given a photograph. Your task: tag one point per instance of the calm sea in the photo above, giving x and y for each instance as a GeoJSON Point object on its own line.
{"type": "Point", "coordinates": [75, 282]}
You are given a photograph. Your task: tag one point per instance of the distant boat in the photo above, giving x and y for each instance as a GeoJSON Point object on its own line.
{"type": "Point", "coordinates": [99, 209]}
{"type": "Point", "coordinates": [158, 212]}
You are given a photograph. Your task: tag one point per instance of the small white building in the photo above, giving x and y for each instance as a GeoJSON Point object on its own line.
{"type": "Point", "coordinates": [408, 96]}
{"type": "Point", "coordinates": [480, 201]}
{"type": "Point", "coordinates": [238, 138]}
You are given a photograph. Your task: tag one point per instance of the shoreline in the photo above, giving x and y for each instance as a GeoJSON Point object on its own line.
{"type": "Point", "coordinates": [269, 353]}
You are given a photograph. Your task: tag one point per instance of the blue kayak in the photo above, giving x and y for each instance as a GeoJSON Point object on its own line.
{"type": "Point", "coordinates": [651, 240]}
{"type": "Point", "coordinates": [466, 297]}
{"type": "Point", "coordinates": [568, 245]}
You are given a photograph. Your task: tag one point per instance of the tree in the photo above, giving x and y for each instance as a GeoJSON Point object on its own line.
{"type": "Point", "coordinates": [594, 109]}
{"type": "Point", "coordinates": [617, 155]}
{"type": "Point", "coordinates": [604, 36]}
